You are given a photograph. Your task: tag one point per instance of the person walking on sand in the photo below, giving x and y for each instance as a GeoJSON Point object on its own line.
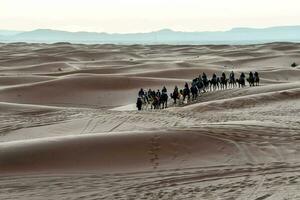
{"type": "Point", "coordinates": [139, 103]}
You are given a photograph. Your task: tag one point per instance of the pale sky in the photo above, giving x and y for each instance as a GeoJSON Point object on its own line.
{"type": "Point", "coordinates": [146, 15]}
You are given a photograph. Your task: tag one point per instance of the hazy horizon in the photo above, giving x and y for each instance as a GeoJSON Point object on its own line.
{"type": "Point", "coordinates": [157, 30]}
{"type": "Point", "coordinates": [132, 16]}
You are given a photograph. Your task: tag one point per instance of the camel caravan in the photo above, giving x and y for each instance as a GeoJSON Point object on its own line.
{"type": "Point", "coordinates": [152, 99]}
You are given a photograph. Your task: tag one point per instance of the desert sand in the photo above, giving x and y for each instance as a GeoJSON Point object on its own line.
{"type": "Point", "coordinates": [69, 128]}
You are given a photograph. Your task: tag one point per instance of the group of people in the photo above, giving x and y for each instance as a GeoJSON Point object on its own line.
{"type": "Point", "coordinates": [159, 99]}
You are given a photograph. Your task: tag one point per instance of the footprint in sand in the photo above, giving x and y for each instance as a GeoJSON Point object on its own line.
{"type": "Point", "coordinates": [154, 150]}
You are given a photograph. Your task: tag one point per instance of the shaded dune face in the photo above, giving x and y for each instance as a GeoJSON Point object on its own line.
{"type": "Point", "coordinates": [83, 90]}
{"type": "Point", "coordinates": [17, 80]}
{"type": "Point", "coordinates": [115, 152]}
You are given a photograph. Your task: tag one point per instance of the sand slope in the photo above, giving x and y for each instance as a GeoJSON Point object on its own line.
{"type": "Point", "coordinates": [83, 90]}
{"type": "Point", "coordinates": [115, 152]}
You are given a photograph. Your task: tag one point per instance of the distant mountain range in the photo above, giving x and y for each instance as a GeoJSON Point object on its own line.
{"type": "Point", "coordinates": [165, 36]}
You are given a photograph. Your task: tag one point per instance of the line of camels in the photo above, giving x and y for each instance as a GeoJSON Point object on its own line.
{"type": "Point", "coordinates": [159, 99]}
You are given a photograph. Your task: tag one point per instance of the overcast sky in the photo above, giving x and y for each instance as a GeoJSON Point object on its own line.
{"type": "Point", "coordinates": [146, 15]}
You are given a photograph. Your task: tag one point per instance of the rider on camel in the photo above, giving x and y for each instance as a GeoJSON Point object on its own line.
{"type": "Point", "coordinates": [149, 92]}
{"type": "Point", "coordinates": [186, 86]}
{"type": "Point", "coordinates": [214, 76]}
{"type": "Point", "coordinates": [141, 92]}
{"type": "Point", "coordinates": [176, 89]}
{"type": "Point", "coordinates": [231, 75]}
{"type": "Point", "coordinates": [158, 94]}
{"type": "Point", "coordinates": [223, 75]}
{"type": "Point", "coordinates": [175, 94]}
{"type": "Point", "coordinates": [204, 77]}
{"type": "Point", "coordinates": [243, 75]}
{"type": "Point", "coordinates": [164, 90]}
{"type": "Point", "coordinates": [250, 75]}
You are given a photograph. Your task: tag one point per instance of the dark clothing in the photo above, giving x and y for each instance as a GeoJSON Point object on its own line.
{"type": "Point", "coordinates": [164, 90]}
{"type": "Point", "coordinates": [153, 94]}
{"type": "Point", "coordinates": [194, 89]}
{"type": "Point", "coordinates": [175, 91]}
{"type": "Point", "coordinates": [141, 93]}
{"type": "Point", "coordinates": [158, 94]}
{"type": "Point", "coordinates": [186, 85]}
{"type": "Point", "coordinates": [204, 77]}
{"type": "Point", "coordinates": [139, 103]}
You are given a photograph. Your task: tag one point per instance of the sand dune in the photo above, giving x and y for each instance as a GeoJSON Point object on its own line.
{"type": "Point", "coordinates": [127, 152]}
{"type": "Point", "coordinates": [288, 75]}
{"type": "Point", "coordinates": [24, 108]}
{"type": "Point", "coordinates": [18, 80]}
{"type": "Point", "coordinates": [40, 68]}
{"type": "Point", "coordinates": [114, 152]}
{"type": "Point", "coordinates": [245, 101]}
{"type": "Point", "coordinates": [68, 131]}
{"type": "Point", "coordinates": [83, 90]}
{"type": "Point", "coordinates": [32, 60]}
